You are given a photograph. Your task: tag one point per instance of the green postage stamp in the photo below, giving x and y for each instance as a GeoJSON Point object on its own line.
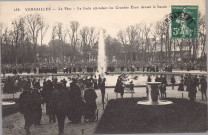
{"type": "Point", "coordinates": [184, 22]}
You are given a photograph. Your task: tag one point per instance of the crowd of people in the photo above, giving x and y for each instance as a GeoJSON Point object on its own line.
{"type": "Point", "coordinates": [16, 83]}
{"type": "Point", "coordinates": [162, 87]}
{"type": "Point", "coordinates": [193, 66]}
{"type": "Point", "coordinates": [75, 102]}
{"type": "Point", "coordinates": [40, 68]}
{"type": "Point", "coordinates": [28, 68]}
{"type": "Point", "coordinates": [114, 67]}
{"type": "Point", "coordinates": [79, 100]}
{"type": "Point", "coordinates": [192, 84]}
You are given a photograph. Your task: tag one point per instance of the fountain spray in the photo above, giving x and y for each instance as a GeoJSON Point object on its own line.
{"type": "Point", "coordinates": [101, 56]}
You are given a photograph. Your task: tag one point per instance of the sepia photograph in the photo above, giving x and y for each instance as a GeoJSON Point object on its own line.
{"type": "Point", "coordinates": [103, 67]}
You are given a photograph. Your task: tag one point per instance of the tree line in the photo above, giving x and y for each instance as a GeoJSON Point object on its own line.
{"type": "Point", "coordinates": [139, 42]}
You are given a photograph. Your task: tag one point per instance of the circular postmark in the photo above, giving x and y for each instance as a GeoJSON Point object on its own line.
{"type": "Point", "coordinates": [184, 22]}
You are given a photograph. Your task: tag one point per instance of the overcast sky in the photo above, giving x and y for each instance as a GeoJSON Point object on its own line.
{"type": "Point", "coordinates": [111, 20]}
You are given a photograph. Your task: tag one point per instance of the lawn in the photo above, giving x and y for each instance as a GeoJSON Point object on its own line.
{"type": "Point", "coordinates": [10, 109]}
{"type": "Point", "coordinates": [125, 116]}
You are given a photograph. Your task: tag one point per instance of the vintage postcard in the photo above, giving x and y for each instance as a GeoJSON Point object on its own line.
{"type": "Point", "coordinates": [103, 67]}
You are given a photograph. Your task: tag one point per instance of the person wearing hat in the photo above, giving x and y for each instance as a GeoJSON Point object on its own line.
{"type": "Point", "coordinates": [95, 83]}
{"type": "Point", "coordinates": [203, 83]}
{"type": "Point", "coordinates": [59, 105]}
{"type": "Point", "coordinates": [196, 82]}
{"type": "Point", "coordinates": [37, 106]}
{"type": "Point", "coordinates": [46, 94]}
{"type": "Point", "coordinates": [192, 90]}
{"type": "Point", "coordinates": [102, 88]}
{"type": "Point", "coordinates": [44, 83]}
{"type": "Point", "coordinates": [131, 86]}
{"type": "Point", "coordinates": [116, 90]}
{"type": "Point", "coordinates": [26, 107]}
{"type": "Point", "coordinates": [181, 86]}
{"type": "Point", "coordinates": [99, 80]}
{"type": "Point", "coordinates": [149, 79]}
{"type": "Point", "coordinates": [55, 81]}
{"type": "Point", "coordinates": [173, 81]}
{"type": "Point", "coordinates": [64, 82]}
{"type": "Point", "coordinates": [73, 84]}
{"type": "Point", "coordinates": [90, 98]}
{"type": "Point", "coordinates": [37, 84]}
{"type": "Point", "coordinates": [75, 111]}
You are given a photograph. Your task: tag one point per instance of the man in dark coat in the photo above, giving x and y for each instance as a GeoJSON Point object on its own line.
{"type": "Point", "coordinates": [76, 110]}
{"type": "Point", "coordinates": [192, 90]}
{"type": "Point", "coordinates": [37, 84]}
{"type": "Point", "coordinates": [156, 79]}
{"type": "Point", "coordinates": [60, 105]}
{"type": "Point", "coordinates": [99, 81]}
{"type": "Point", "coordinates": [163, 90]}
{"type": "Point", "coordinates": [181, 86]}
{"type": "Point", "coordinates": [37, 107]}
{"type": "Point", "coordinates": [73, 84]}
{"type": "Point", "coordinates": [203, 83]}
{"type": "Point", "coordinates": [26, 107]}
{"type": "Point", "coordinates": [44, 83]}
{"type": "Point", "coordinates": [64, 82]}
{"type": "Point", "coordinates": [164, 81]}
{"type": "Point", "coordinates": [116, 90]}
{"type": "Point", "coordinates": [173, 81]}
{"type": "Point", "coordinates": [46, 93]}
{"type": "Point", "coordinates": [196, 81]}
{"type": "Point", "coordinates": [119, 87]}
{"type": "Point", "coordinates": [95, 83]}
{"type": "Point", "coordinates": [188, 82]}
{"type": "Point", "coordinates": [102, 88]}
{"type": "Point", "coordinates": [90, 98]}
{"type": "Point", "coordinates": [149, 79]}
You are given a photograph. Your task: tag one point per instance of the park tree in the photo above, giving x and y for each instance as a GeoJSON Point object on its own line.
{"type": "Point", "coordinates": [19, 33]}
{"type": "Point", "coordinates": [122, 38]}
{"type": "Point", "coordinates": [53, 37]}
{"type": "Point", "coordinates": [154, 46]}
{"type": "Point", "coordinates": [85, 47]}
{"type": "Point", "coordinates": [1, 32]}
{"type": "Point", "coordinates": [160, 31]}
{"type": "Point", "coordinates": [113, 48]}
{"type": "Point", "coordinates": [33, 23]}
{"type": "Point", "coordinates": [133, 35]}
{"type": "Point", "coordinates": [60, 39]}
{"type": "Point", "coordinates": [73, 33]}
{"type": "Point", "coordinates": [146, 31]}
{"type": "Point", "coordinates": [43, 30]}
{"type": "Point", "coordinates": [88, 38]}
{"type": "Point", "coordinates": [7, 46]}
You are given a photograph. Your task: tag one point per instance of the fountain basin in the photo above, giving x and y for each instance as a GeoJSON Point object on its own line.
{"type": "Point", "coordinates": [153, 92]}
{"type": "Point", "coordinates": [153, 95]}
{"type": "Point", "coordinates": [160, 102]}
{"type": "Point", "coordinates": [7, 103]}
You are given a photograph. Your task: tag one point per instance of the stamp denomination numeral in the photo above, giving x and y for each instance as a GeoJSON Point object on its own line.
{"type": "Point", "coordinates": [175, 32]}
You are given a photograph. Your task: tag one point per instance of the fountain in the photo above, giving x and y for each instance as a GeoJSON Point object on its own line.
{"type": "Point", "coordinates": [7, 103]}
{"type": "Point", "coordinates": [153, 95]}
{"type": "Point", "coordinates": [101, 56]}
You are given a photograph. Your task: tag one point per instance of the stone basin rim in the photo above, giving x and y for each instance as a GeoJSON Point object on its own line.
{"type": "Point", "coordinates": [153, 83]}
